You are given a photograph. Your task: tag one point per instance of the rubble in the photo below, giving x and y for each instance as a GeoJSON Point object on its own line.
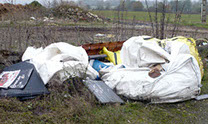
{"type": "Point", "coordinates": [75, 13]}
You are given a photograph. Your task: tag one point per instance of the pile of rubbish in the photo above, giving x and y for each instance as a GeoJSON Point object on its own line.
{"type": "Point", "coordinates": [75, 13]}
{"type": "Point", "coordinates": [141, 68]}
{"type": "Point", "coordinates": [62, 11]}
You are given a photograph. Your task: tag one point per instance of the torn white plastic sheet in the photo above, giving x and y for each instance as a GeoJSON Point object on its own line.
{"type": "Point", "coordinates": [61, 58]}
{"type": "Point", "coordinates": [180, 80]}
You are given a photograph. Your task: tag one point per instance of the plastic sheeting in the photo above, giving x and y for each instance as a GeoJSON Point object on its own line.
{"type": "Point", "coordinates": [191, 43]}
{"type": "Point", "coordinates": [62, 58]}
{"type": "Point", "coordinates": [180, 78]}
{"type": "Point", "coordinates": [136, 52]}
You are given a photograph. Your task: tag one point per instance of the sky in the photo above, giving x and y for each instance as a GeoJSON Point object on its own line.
{"type": "Point", "coordinates": [25, 1]}
{"type": "Point", "coordinates": [29, 1]}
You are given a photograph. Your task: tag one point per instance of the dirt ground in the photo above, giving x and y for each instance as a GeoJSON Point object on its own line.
{"type": "Point", "coordinates": [19, 37]}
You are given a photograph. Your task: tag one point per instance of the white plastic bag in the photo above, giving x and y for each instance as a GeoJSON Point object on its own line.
{"type": "Point", "coordinates": [63, 58]}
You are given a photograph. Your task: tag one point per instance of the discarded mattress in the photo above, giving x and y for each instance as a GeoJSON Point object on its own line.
{"type": "Point", "coordinates": [179, 76]}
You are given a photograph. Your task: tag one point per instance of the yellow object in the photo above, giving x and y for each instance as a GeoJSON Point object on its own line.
{"type": "Point", "coordinates": [113, 57]}
{"type": "Point", "coordinates": [193, 50]}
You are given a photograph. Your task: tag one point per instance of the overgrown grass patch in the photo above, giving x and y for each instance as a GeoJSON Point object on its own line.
{"type": "Point", "coordinates": [64, 106]}
{"type": "Point", "coordinates": [186, 19]}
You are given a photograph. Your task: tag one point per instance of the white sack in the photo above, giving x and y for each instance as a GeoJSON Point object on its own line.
{"type": "Point", "coordinates": [180, 81]}
{"type": "Point", "coordinates": [136, 52]}
{"type": "Point", "coordinates": [30, 52]}
{"type": "Point", "coordinates": [60, 57]}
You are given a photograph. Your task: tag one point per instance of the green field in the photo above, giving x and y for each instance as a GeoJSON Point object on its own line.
{"type": "Point", "coordinates": [186, 19]}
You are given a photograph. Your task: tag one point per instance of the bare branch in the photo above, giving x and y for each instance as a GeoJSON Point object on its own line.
{"type": "Point", "coordinates": [162, 22]}
{"type": "Point", "coordinates": [156, 20]}
{"type": "Point", "coordinates": [175, 20]}
{"type": "Point", "coordinates": [150, 17]}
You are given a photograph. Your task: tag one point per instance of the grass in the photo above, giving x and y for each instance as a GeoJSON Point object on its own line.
{"type": "Point", "coordinates": [186, 19]}
{"type": "Point", "coordinates": [63, 105]}
{"type": "Point", "coordinates": [77, 110]}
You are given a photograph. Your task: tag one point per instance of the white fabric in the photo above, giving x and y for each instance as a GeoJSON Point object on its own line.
{"type": "Point", "coordinates": [60, 57]}
{"type": "Point", "coordinates": [180, 81]}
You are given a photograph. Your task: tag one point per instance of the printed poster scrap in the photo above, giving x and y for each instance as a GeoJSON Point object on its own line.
{"type": "Point", "coordinates": [22, 79]}
{"type": "Point", "coordinates": [7, 78]}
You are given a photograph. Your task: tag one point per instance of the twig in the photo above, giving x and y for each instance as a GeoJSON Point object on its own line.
{"type": "Point", "coordinates": [122, 18]}
{"type": "Point", "coordinates": [118, 24]}
{"type": "Point", "coordinates": [19, 38]}
{"type": "Point", "coordinates": [133, 26]}
{"type": "Point", "coordinates": [176, 18]}
{"type": "Point", "coordinates": [162, 22]}
{"type": "Point", "coordinates": [167, 23]}
{"type": "Point", "coordinates": [156, 20]}
{"type": "Point", "coordinates": [150, 17]}
{"type": "Point", "coordinates": [179, 18]}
